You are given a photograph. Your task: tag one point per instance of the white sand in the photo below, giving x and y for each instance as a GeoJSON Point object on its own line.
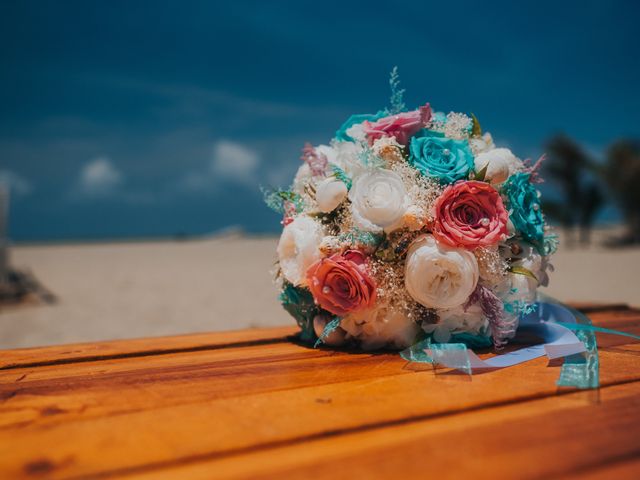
{"type": "Point", "coordinates": [120, 290]}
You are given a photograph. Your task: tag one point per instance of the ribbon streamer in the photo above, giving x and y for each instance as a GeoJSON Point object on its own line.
{"type": "Point", "coordinates": [565, 332]}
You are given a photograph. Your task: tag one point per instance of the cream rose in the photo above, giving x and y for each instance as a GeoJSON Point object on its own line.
{"type": "Point", "coordinates": [378, 200]}
{"type": "Point", "coordinates": [438, 276]}
{"type": "Point", "coordinates": [330, 193]}
{"type": "Point", "coordinates": [298, 248]}
{"type": "Point", "coordinates": [500, 164]}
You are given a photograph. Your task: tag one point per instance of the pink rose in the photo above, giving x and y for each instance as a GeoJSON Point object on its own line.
{"type": "Point", "coordinates": [470, 215]}
{"type": "Point", "coordinates": [340, 283]}
{"type": "Point", "coordinates": [402, 126]}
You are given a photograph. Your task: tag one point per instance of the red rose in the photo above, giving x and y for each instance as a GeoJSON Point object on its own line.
{"type": "Point", "coordinates": [340, 283]}
{"type": "Point", "coordinates": [470, 215]}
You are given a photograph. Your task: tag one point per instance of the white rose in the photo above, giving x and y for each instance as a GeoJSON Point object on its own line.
{"type": "Point", "coordinates": [378, 200]}
{"type": "Point", "coordinates": [438, 276]}
{"type": "Point", "coordinates": [499, 162]}
{"type": "Point", "coordinates": [381, 327]}
{"type": "Point", "coordinates": [347, 157]}
{"type": "Point", "coordinates": [536, 263]}
{"type": "Point", "coordinates": [457, 320]}
{"type": "Point", "coordinates": [330, 193]}
{"type": "Point", "coordinates": [298, 248]}
{"type": "Point", "coordinates": [517, 287]}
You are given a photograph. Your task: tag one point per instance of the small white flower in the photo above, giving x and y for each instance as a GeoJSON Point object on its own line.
{"type": "Point", "coordinates": [482, 144]}
{"type": "Point", "coordinates": [520, 288]}
{"type": "Point", "coordinates": [380, 327]}
{"type": "Point", "coordinates": [378, 200]}
{"type": "Point", "coordinates": [516, 288]}
{"type": "Point", "coordinates": [529, 258]}
{"type": "Point", "coordinates": [500, 164]}
{"type": "Point", "coordinates": [298, 248]}
{"type": "Point", "coordinates": [330, 193]}
{"type": "Point", "coordinates": [414, 218]}
{"type": "Point", "coordinates": [457, 125]}
{"type": "Point", "coordinates": [457, 320]}
{"type": "Point", "coordinates": [438, 276]}
{"type": "Point", "coordinates": [388, 149]}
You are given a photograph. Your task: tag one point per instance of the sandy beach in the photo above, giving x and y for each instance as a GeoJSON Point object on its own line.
{"type": "Point", "coordinates": [137, 289]}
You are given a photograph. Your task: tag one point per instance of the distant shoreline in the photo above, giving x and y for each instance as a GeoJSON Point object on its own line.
{"type": "Point", "coordinates": [222, 233]}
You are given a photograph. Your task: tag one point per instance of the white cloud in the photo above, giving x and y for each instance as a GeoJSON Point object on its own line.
{"type": "Point", "coordinates": [234, 161]}
{"type": "Point", "coordinates": [230, 162]}
{"type": "Point", "coordinates": [17, 183]}
{"type": "Point", "coordinates": [99, 177]}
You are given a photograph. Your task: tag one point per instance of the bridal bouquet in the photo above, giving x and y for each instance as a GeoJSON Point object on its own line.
{"type": "Point", "coordinates": [411, 225]}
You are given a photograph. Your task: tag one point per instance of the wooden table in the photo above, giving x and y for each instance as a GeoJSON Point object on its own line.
{"type": "Point", "coordinates": [253, 404]}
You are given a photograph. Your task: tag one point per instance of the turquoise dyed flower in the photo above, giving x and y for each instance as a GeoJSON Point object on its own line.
{"type": "Point", "coordinates": [524, 203]}
{"type": "Point", "coordinates": [441, 158]}
{"type": "Point", "coordinates": [299, 303]}
{"type": "Point", "coordinates": [342, 135]}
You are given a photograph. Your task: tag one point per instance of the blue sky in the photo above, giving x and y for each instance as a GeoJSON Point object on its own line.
{"type": "Point", "coordinates": [151, 118]}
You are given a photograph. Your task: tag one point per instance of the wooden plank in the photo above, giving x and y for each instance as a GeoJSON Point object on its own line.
{"type": "Point", "coordinates": [57, 394]}
{"type": "Point", "coordinates": [77, 418]}
{"type": "Point", "coordinates": [547, 438]}
{"type": "Point", "coordinates": [84, 390]}
{"type": "Point", "coordinates": [62, 354]}
{"type": "Point", "coordinates": [618, 469]}
{"type": "Point", "coordinates": [93, 441]}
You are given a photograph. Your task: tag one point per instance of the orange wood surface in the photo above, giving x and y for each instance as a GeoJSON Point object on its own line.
{"type": "Point", "coordinates": [255, 404]}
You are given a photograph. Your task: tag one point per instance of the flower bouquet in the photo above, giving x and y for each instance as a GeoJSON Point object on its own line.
{"type": "Point", "coordinates": [411, 225]}
{"type": "Point", "coordinates": [412, 231]}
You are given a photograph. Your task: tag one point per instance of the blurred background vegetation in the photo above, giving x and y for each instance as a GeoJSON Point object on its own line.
{"type": "Point", "coordinates": [586, 184]}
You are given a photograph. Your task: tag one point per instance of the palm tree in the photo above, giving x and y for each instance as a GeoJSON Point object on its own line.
{"type": "Point", "coordinates": [571, 168]}
{"type": "Point", "coordinates": [622, 174]}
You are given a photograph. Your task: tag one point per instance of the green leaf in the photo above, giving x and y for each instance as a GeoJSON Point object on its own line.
{"type": "Point", "coordinates": [522, 271]}
{"type": "Point", "coordinates": [476, 131]}
{"type": "Point", "coordinates": [480, 176]}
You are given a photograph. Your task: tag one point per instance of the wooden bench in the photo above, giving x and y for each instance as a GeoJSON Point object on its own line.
{"type": "Point", "coordinates": [254, 404]}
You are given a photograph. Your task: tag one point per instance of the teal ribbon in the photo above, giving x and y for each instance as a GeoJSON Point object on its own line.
{"type": "Point", "coordinates": [328, 329]}
{"type": "Point", "coordinates": [580, 370]}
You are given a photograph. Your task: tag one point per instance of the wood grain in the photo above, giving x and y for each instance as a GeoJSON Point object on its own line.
{"type": "Point", "coordinates": [25, 357]}
{"type": "Point", "coordinates": [228, 405]}
{"type": "Point", "coordinates": [564, 435]}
